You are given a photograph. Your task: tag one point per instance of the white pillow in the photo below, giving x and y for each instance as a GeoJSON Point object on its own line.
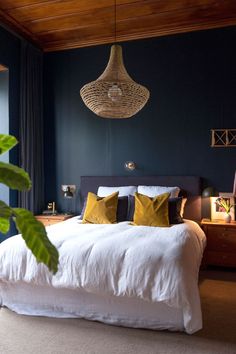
{"type": "Point", "coordinates": [153, 191]}
{"type": "Point", "coordinates": [123, 191]}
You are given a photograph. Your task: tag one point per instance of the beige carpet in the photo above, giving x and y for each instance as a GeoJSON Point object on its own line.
{"type": "Point", "coordinates": [35, 335]}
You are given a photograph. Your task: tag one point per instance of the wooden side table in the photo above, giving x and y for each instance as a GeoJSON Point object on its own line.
{"type": "Point", "coordinates": [48, 220]}
{"type": "Point", "coordinates": [221, 243]}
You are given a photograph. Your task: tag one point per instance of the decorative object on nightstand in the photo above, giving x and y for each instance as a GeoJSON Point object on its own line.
{"type": "Point", "coordinates": [222, 207]}
{"type": "Point", "coordinates": [221, 243]}
{"type": "Point", "coordinates": [226, 204]}
{"type": "Point", "coordinates": [51, 209]}
{"type": "Point", "coordinates": [48, 220]}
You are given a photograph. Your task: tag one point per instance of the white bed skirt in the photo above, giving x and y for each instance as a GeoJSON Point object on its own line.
{"type": "Point", "coordinates": [36, 300]}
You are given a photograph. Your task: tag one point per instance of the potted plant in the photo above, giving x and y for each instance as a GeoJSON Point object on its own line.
{"type": "Point", "coordinates": [32, 230]}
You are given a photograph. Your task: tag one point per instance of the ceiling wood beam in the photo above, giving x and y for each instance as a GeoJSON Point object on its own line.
{"type": "Point", "coordinates": [56, 8]}
{"type": "Point", "coordinates": [10, 4]}
{"type": "Point", "coordinates": [63, 24]}
{"type": "Point", "coordinates": [145, 26]}
{"type": "Point", "coordinates": [12, 24]}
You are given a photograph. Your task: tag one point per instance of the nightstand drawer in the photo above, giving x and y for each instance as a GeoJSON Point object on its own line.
{"type": "Point", "coordinates": [221, 259]}
{"type": "Point", "coordinates": [214, 230]}
{"type": "Point", "coordinates": [221, 243]}
{"type": "Point", "coordinates": [221, 239]}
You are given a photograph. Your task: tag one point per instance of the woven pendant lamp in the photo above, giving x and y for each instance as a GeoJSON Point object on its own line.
{"type": "Point", "coordinates": [114, 94]}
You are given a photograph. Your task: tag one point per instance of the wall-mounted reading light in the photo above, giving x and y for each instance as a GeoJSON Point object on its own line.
{"type": "Point", "coordinates": [130, 165]}
{"type": "Point", "coordinates": [68, 191]}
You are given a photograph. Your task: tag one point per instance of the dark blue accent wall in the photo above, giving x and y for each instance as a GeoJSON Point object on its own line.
{"type": "Point", "coordinates": [192, 80]}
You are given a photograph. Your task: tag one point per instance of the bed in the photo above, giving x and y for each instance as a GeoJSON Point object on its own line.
{"type": "Point", "coordinates": [136, 276]}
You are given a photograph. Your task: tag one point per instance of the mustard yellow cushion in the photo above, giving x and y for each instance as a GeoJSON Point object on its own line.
{"type": "Point", "coordinates": [151, 211]}
{"type": "Point", "coordinates": [101, 210]}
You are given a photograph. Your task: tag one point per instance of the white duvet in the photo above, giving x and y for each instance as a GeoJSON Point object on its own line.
{"type": "Point", "coordinates": [151, 263]}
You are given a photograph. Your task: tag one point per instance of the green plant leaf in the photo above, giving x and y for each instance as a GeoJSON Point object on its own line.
{"type": "Point", "coordinates": [5, 214]}
{"type": "Point", "coordinates": [35, 236]}
{"type": "Point", "coordinates": [7, 142]}
{"type": "Point", "coordinates": [4, 224]}
{"type": "Point", "coordinates": [33, 231]}
{"type": "Point", "coordinates": [5, 210]}
{"type": "Point", "coordinates": [14, 177]}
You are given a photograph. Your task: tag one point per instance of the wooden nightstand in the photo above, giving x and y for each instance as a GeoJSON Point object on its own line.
{"type": "Point", "coordinates": [48, 220]}
{"type": "Point", "coordinates": [221, 243]}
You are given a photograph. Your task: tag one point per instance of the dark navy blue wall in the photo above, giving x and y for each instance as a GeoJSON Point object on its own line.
{"type": "Point", "coordinates": [192, 80]}
{"type": "Point", "coordinates": [10, 57]}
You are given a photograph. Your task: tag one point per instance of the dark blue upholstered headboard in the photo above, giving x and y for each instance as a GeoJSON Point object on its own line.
{"type": "Point", "coordinates": [189, 185]}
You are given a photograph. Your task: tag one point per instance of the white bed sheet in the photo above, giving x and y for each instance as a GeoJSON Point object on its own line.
{"type": "Point", "coordinates": [28, 299]}
{"type": "Point", "coordinates": [145, 264]}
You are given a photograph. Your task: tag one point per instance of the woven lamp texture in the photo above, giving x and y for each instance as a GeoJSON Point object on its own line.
{"type": "Point", "coordinates": [129, 97]}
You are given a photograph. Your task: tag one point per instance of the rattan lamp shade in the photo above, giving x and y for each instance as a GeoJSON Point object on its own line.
{"type": "Point", "coordinates": [114, 94]}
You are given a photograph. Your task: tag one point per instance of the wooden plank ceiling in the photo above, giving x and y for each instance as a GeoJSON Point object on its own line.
{"type": "Point", "coordinates": [63, 24]}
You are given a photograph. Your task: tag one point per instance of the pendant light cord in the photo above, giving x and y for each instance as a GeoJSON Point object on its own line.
{"type": "Point", "coordinates": [115, 21]}
{"type": "Point", "coordinates": [115, 18]}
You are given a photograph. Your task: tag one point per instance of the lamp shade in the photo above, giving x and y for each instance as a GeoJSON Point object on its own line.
{"type": "Point", "coordinates": [114, 94]}
{"type": "Point", "coordinates": [209, 192]}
